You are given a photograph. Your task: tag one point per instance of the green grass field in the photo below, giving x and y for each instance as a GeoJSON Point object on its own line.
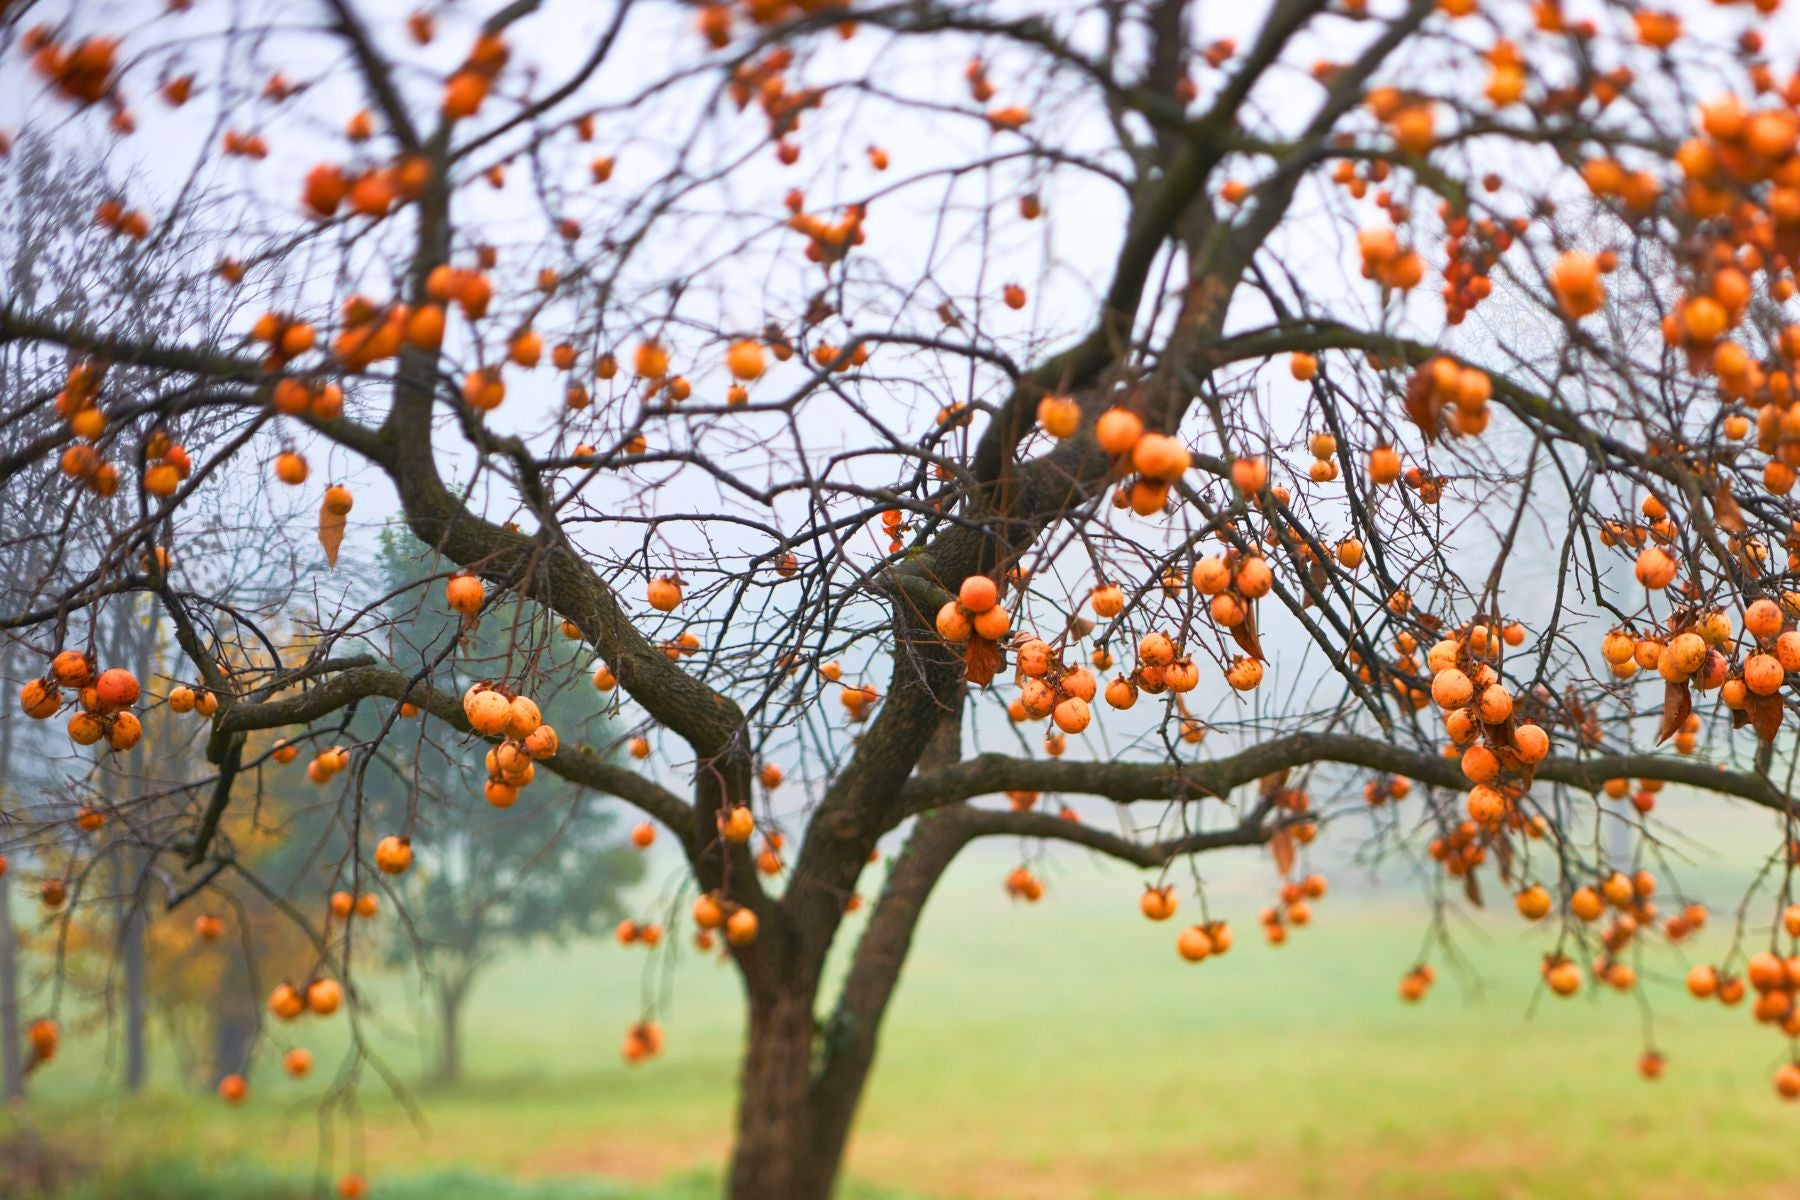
{"type": "Point", "coordinates": [1060, 1051]}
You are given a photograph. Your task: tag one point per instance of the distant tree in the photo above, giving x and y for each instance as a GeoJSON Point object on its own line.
{"type": "Point", "coordinates": [550, 868]}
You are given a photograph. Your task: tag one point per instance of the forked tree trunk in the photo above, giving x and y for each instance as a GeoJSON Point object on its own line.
{"type": "Point", "coordinates": [799, 1093]}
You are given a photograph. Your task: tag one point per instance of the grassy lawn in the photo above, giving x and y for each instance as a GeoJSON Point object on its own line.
{"type": "Point", "coordinates": [1059, 1051]}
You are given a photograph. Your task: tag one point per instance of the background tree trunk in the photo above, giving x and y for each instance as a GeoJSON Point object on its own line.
{"type": "Point", "coordinates": [12, 1065]}
{"type": "Point", "coordinates": [234, 1031]}
{"type": "Point", "coordinates": [132, 951]}
{"type": "Point", "coordinates": [12, 1051]}
{"type": "Point", "coordinates": [133, 926]}
{"type": "Point", "coordinates": [450, 1001]}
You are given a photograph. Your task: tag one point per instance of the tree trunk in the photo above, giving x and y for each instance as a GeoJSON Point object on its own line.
{"type": "Point", "coordinates": [234, 1032]}
{"type": "Point", "coordinates": [133, 953]}
{"type": "Point", "coordinates": [776, 1157]}
{"type": "Point", "coordinates": [797, 1100]}
{"type": "Point", "coordinates": [12, 1065]}
{"type": "Point", "coordinates": [12, 1050]}
{"type": "Point", "coordinates": [450, 1000]}
{"type": "Point", "coordinates": [134, 926]}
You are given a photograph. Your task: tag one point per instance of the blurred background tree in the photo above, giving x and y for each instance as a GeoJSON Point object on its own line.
{"type": "Point", "coordinates": [551, 867]}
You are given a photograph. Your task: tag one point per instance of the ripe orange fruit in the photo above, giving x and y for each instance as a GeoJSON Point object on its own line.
{"type": "Point", "coordinates": [1160, 458]}
{"type": "Point", "coordinates": [290, 468]}
{"type": "Point", "coordinates": [1656, 568]}
{"type": "Point", "coordinates": [978, 594]}
{"type": "Point", "coordinates": [465, 593]}
{"type": "Point", "coordinates": [650, 360]}
{"type": "Point", "coordinates": [1384, 465]}
{"type": "Point", "coordinates": [1495, 704]}
{"type": "Point", "coordinates": [740, 927]}
{"type": "Point", "coordinates": [745, 360]}
{"type": "Point", "coordinates": [1193, 943]}
{"type": "Point", "coordinates": [1564, 977]}
{"type": "Point", "coordinates": [1586, 904]}
{"type": "Point", "coordinates": [1250, 475]}
{"type": "Point", "coordinates": [1059, 416]}
{"type": "Point", "coordinates": [487, 710]}
{"type": "Point", "coordinates": [116, 688]}
{"type": "Point", "coordinates": [287, 1001]}
{"type": "Point", "coordinates": [1451, 689]}
{"type": "Point", "coordinates": [1118, 430]}
{"type": "Point", "coordinates": [664, 593]}
{"type": "Point", "coordinates": [1533, 903]}
{"type": "Point", "coordinates": [1158, 903]}
{"type": "Point", "coordinates": [324, 996]}
{"type": "Point", "coordinates": [737, 824]}
{"type": "Point", "coordinates": [393, 855]}
{"type": "Point", "coordinates": [1763, 674]}
{"type": "Point", "coordinates": [1531, 742]}
{"type": "Point", "coordinates": [1072, 715]}
{"type": "Point", "coordinates": [1156, 650]}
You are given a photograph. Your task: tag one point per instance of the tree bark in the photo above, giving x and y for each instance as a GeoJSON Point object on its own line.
{"type": "Point", "coordinates": [800, 1093]}
{"type": "Point", "coordinates": [775, 1157]}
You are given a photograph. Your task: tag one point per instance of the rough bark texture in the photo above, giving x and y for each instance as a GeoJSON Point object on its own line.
{"type": "Point", "coordinates": [773, 1159]}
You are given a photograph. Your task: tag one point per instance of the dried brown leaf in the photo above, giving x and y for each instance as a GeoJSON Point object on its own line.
{"type": "Point", "coordinates": [331, 533]}
{"type": "Point", "coordinates": [1765, 714]}
{"type": "Point", "coordinates": [1244, 633]}
{"type": "Point", "coordinates": [1678, 702]}
{"type": "Point", "coordinates": [1726, 513]}
{"type": "Point", "coordinates": [1281, 845]}
{"type": "Point", "coordinates": [982, 660]}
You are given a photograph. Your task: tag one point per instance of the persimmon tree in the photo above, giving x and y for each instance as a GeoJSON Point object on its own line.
{"type": "Point", "coordinates": [1368, 419]}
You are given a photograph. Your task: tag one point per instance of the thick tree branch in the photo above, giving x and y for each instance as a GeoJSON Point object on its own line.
{"type": "Point", "coordinates": [1125, 782]}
